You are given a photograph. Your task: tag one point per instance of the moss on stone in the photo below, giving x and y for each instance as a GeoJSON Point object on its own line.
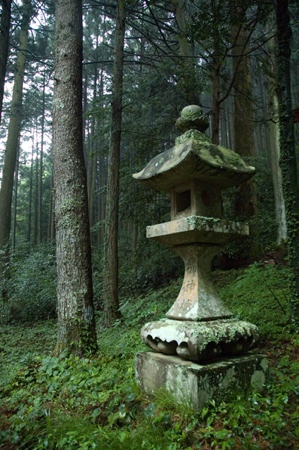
{"type": "Point", "coordinates": [192, 134]}
{"type": "Point", "coordinates": [191, 117]}
{"type": "Point", "coordinates": [217, 155]}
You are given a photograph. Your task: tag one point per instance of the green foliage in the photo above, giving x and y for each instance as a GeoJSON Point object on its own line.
{"type": "Point", "coordinates": [19, 344]}
{"type": "Point", "coordinates": [153, 266]}
{"type": "Point", "coordinates": [261, 295]}
{"type": "Point", "coordinates": [31, 288]}
{"type": "Point", "coordinates": [151, 306]}
{"type": "Point", "coordinates": [68, 402]}
{"type": "Point", "coordinates": [240, 251]}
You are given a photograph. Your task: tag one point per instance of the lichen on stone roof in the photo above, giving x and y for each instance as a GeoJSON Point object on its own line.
{"type": "Point", "coordinates": [195, 157]}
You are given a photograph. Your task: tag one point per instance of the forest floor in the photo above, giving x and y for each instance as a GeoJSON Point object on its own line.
{"type": "Point", "coordinates": [94, 403]}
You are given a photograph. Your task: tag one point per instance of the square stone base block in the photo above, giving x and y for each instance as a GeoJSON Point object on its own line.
{"type": "Point", "coordinates": [198, 384]}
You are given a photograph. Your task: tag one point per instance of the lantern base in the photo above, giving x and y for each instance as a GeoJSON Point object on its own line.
{"type": "Point", "coordinates": [197, 384]}
{"type": "Point", "coordinates": [200, 341]}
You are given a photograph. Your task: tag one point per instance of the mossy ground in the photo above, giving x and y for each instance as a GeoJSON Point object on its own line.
{"type": "Point", "coordinates": [93, 402]}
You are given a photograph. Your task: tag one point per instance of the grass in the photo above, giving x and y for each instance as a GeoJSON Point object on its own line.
{"type": "Point", "coordinates": [94, 403]}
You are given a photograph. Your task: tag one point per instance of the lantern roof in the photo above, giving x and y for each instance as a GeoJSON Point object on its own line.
{"type": "Point", "coordinates": [195, 157]}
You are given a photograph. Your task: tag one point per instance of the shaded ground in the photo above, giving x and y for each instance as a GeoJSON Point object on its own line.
{"type": "Point", "coordinates": [71, 403]}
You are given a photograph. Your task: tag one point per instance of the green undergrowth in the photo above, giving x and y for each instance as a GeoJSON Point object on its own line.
{"type": "Point", "coordinates": [93, 402]}
{"type": "Point", "coordinates": [260, 294]}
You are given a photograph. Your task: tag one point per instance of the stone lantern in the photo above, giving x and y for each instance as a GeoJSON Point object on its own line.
{"type": "Point", "coordinates": [198, 327]}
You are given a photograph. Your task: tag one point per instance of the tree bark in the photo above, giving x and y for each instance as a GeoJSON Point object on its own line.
{"type": "Point", "coordinates": [216, 64]}
{"type": "Point", "coordinates": [274, 145]}
{"type": "Point", "coordinates": [4, 45]}
{"type": "Point", "coordinates": [30, 196]}
{"type": "Point", "coordinates": [51, 220]}
{"type": "Point", "coordinates": [111, 300]}
{"type": "Point", "coordinates": [188, 75]}
{"type": "Point", "coordinates": [15, 207]}
{"type": "Point", "coordinates": [287, 150]}
{"type": "Point", "coordinates": [41, 169]}
{"type": "Point", "coordinates": [246, 202]}
{"type": "Point", "coordinates": [280, 213]}
{"type": "Point", "coordinates": [216, 102]}
{"type": "Point", "coordinates": [76, 319]}
{"type": "Point", "coordinates": [92, 158]}
{"type": "Point", "coordinates": [243, 130]}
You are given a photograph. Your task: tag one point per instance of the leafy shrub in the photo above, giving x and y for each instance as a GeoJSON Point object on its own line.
{"type": "Point", "coordinates": [31, 288]}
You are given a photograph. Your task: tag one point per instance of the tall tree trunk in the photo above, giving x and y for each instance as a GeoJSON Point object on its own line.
{"type": "Point", "coordinates": [92, 157]}
{"type": "Point", "coordinates": [41, 169]}
{"type": "Point", "coordinates": [287, 150]}
{"type": "Point", "coordinates": [280, 212]}
{"type": "Point", "coordinates": [188, 75]}
{"type": "Point", "coordinates": [15, 208]}
{"type": "Point", "coordinates": [273, 128]}
{"type": "Point", "coordinates": [14, 128]}
{"type": "Point", "coordinates": [30, 197]}
{"type": "Point", "coordinates": [216, 102]}
{"type": "Point", "coordinates": [102, 199]}
{"type": "Point", "coordinates": [4, 45]}
{"type": "Point", "coordinates": [216, 77]}
{"type": "Point", "coordinates": [111, 300]}
{"type": "Point", "coordinates": [11, 151]}
{"type": "Point", "coordinates": [35, 201]}
{"type": "Point", "coordinates": [51, 220]}
{"type": "Point", "coordinates": [76, 319]}
{"type": "Point", "coordinates": [243, 135]}
{"type": "Point", "coordinates": [243, 110]}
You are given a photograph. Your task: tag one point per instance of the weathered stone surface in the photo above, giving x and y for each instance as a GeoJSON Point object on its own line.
{"type": "Point", "coordinates": [192, 117]}
{"type": "Point", "coordinates": [195, 157]}
{"type": "Point", "coordinates": [200, 341]}
{"type": "Point", "coordinates": [194, 198]}
{"type": "Point", "coordinates": [198, 384]}
{"type": "Point", "coordinates": [195, 172]}
{"type": "Point", "coordinates": [199, 327]}
{"type": "Point", "coordinates": [197, 229]}
{"type": "Point", "coordinates": [198, 299]}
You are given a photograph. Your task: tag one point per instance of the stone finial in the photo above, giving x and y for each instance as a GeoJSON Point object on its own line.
{"type": "Point", "coordinates": [191, 117]}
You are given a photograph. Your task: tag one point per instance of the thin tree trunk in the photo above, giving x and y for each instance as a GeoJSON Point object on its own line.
{"type": "Point", "coordinates": [51, 220]}
{"type": "Point", "coordinates": [76, 318]}
{"type": "Point", "coordinates": [4, 46]}
{"type": "Point", "coordinates": [188, 76]}
{"type": "Point", "coordinates": [41, 170]}
{"type": "Point", "coordinates": [92, 156]}
{"type": "Point", "coordinates": [14, 128]}
{"type": "Point", "coordinates": [280, 212]}
{"type": "Point", "coordinates": [246, 205]}
{"type": "Point", "coordinates": [15, 207]}
{"type": "Point", "coordinates": [29, 220]}
{"type": "Point", "coordinates": [102, 199]}
{"type": "Point", "coordinates": [35, 209]}
{"type": "Point", "coordinates": [11, 152]}
{"type": "Point", "coordinates": [216, 104]}
{"type": "Point", "coordinates": [91, 201]}
{"type": "Point", "coordinates": [287, 161]}
{"type": "Point", "coordinates": [273, 132]}
{"type": "Point", "coordinates": [243, 131]}
{"type": "Point", "coordinates": [111, 300]}
{"type": "Point", "coordinates": [216, 80]}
